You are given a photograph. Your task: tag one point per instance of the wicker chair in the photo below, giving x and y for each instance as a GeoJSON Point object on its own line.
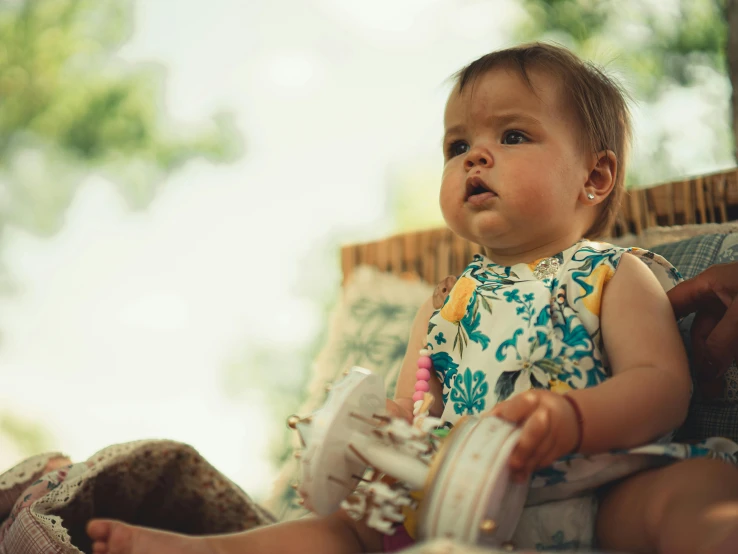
{"type": "Point", "coordinates": [433, 254]}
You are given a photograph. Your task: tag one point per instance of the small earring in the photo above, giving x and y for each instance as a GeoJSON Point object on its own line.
{"type": "Point", "coordinates": [590, 196]}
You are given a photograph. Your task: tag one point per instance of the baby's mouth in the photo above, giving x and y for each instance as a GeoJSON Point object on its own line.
{"type": "Point", "coordinates": [477, 191]}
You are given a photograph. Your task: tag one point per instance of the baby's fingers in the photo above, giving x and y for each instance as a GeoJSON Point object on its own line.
{"type": "Point", "coordinates": [541, 456]}
{"type": "Point", "coordinates": [534, 433]}
{"type": "Point", "coordinates": [517, 409]}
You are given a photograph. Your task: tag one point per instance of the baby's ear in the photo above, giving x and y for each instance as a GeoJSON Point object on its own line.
{"type": "Point", "coordinates": [602, 176]}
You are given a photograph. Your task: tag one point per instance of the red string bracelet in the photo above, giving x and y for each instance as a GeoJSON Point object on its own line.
{"type": "Point", "coordinates": [580, 421]}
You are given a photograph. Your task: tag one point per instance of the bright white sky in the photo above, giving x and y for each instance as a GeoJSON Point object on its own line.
{"type": "Point", "coordinates": [126, 319]}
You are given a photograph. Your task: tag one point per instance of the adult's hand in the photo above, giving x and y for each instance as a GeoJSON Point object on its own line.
{"type": "Point", "coordinates": [713, 294]}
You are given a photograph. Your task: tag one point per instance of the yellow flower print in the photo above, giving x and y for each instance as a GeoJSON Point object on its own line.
{"type": "Point", "coordinates": [559, 387]}
{"type": "Point", "coordinates": [597, 280]}
{"type": "Point", "coordinates": [458, 300]}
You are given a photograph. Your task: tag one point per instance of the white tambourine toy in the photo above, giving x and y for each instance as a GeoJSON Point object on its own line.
{"type": "Point", "coordinates": [463, 480]}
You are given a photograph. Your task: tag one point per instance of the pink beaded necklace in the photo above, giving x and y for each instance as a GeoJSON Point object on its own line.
{"type": "Point", "coordinates": [423, 375]}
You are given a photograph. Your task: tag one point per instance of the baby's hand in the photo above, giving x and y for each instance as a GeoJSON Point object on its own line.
{"type": "Point", "coordinates": [549, 429]}
{"type": "Point", "coordinates": [396, 410]}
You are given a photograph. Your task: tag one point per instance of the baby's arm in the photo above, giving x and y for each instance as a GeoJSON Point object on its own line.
{"type": "Point", "coordinates": [406, 380]}
{"type": "Point", "coordinates": [649, 392]}
{"type": "Point", "coordinates": [647, 396]}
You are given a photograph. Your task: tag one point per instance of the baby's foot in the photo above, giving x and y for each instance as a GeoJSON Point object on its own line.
{"type": "Point", "coordinates": [55, 463]}
{"type": "Point", "coordinates": [115, 537]}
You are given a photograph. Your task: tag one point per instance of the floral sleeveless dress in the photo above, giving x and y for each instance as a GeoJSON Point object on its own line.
{"type": "Point", "coordinates": [505, 330]}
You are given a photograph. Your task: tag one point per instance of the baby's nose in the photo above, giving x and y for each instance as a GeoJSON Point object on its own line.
{"type": "Point", "coordinates": [478, 156]}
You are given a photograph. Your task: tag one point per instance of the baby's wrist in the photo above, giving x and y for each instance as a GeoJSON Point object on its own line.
{"type": "Point", "coordinates": [579, 422]}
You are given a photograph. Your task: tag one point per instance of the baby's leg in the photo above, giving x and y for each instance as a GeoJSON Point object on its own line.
{"type": "Point", "coordinates": [114, 537]}
{"type": "Point", "coordinates": [336, 534]}
{"type": "Point", "coordinates": [688, 507]}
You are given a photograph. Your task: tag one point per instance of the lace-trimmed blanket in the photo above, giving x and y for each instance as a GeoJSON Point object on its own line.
{"type": "Point", "coordinates": [161, 484]}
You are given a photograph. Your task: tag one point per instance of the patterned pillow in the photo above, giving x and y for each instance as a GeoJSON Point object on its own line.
{"type": "Point", "coordinates": [653, 236]}
{"type": "Point", "coordinates": [692, 256]}
{"type": "Point", "coordinates": [714, 416]}
{"type": "Point", "coordinates": [369, 328]}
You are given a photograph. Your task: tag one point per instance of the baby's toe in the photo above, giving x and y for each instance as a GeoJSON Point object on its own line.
{"type": "Point", "coordinates": [99, 529]}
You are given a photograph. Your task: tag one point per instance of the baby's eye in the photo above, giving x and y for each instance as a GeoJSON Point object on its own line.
{"type": "Point", "coordinates": [457, 148]}
{"type": "Point", "coordinates": [513, 137]}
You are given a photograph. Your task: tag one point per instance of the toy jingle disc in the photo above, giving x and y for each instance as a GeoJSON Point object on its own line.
{"type": "Point", "coordinates": [328, 463]}
{"type": "Point", "coordinates": [468, 495]}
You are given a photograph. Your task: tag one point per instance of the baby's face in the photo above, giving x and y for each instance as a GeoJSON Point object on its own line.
{"type": "Point", "coordinates": [514, 166]}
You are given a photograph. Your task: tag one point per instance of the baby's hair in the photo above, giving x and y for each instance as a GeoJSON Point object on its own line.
{"type": "Point", "coordinates": [598, 102]}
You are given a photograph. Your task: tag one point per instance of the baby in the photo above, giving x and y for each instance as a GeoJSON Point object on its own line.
{"type": "Point", "coordinates": [573, 340]}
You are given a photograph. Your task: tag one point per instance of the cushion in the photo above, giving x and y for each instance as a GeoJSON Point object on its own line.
{"type": "Point", "coordinates": [692, 256]}
{"type": "Point", "coordinates": [654, 236]}
{"type": "Point", "coordinates": [714, 416]}
{"type": "Point", "coordinates": [370, 328]}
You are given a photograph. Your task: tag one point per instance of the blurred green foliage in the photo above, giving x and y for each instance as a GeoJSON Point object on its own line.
{"type": "Point", "coordinates": [69, 107]}
{"type": "Point", "coordinates": [281, 373]}
{"type": "Point", "coordinates": [659, 45]}
{"type": "Point", "coordinates": [276, 372]}
{"type": "Point", "coordinates": [660, 42]}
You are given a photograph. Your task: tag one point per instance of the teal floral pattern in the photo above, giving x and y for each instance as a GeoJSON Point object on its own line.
{"type": "Point", "coordinates": [558, 543]}
{"type": "Point", "coordinates": [469, 392]}
{"type": "Point", "coordinates": [446, 369]}
{"type": "Point", "coordinates": [470, 327]}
